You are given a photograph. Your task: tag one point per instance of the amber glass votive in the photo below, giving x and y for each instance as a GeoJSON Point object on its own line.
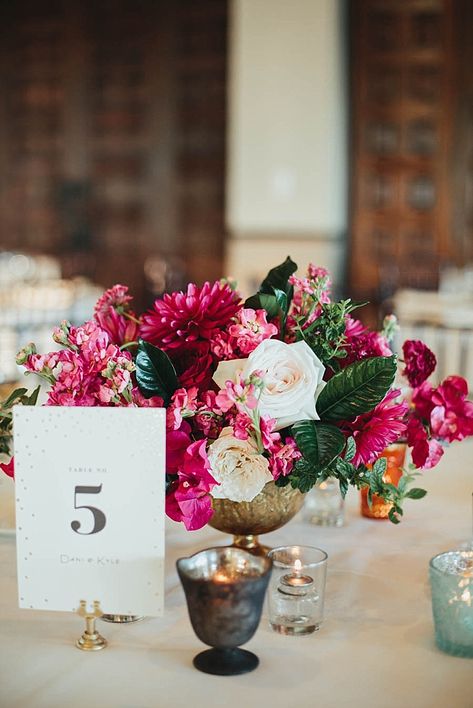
{"type": "Point", "coordinates": [395, 455]}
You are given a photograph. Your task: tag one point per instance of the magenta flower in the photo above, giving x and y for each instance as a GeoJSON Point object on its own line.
{"type": "Point", "coordinates": [420, 361]}
{"type": "Point", "coordinates": [250, 329]}
{"type": "Point", "coordinates": [451, 417]}
{"type": "Point", "coordinates": [425, 453]}
{"type": "Point", "coordinates": [362, 343]}
{"type": "Point", "coordinates": [189, 500]}
{"type": "Point", "coordinates": [120, 328]}
{"type": "Point", "coordinates": [182, 319]}
{"type": "Point", "coordinates": [8, 467]}
{"type": "Point", "coordinates": [375, 430]}
{"type": "Point", "coordinates": [177, 442]}
{"type": "Point", "coordinates": [194, 366]}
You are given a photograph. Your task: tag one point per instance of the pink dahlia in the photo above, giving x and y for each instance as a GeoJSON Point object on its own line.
{"type": "Point", "coordinates": [380, 427]}
{"type": "Point", "coordinates": [420, 361]}
{"type": "Point", "coordinates": [180, 320]}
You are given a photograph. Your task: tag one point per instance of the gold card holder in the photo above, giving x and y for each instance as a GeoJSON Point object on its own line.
{"type": "Point", "coordinates": [91, 640]}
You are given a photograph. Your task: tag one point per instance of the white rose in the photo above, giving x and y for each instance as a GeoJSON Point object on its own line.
{"type": "Point", "coordinates": [292, 379]}
{"type": "Point", "coordinates": [237, 465]}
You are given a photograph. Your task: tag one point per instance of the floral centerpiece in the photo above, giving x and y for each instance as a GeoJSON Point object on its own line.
{"type": "Point", "coordinates": [284, 388]}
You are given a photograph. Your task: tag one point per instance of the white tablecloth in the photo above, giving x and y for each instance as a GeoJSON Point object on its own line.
{"type": "Point", "coordinates": [375, 649]}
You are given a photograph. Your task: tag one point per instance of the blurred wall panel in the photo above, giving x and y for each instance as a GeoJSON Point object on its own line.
{"type": "Point", "coordinates": [411, 142]}
{"type": "Point", "coordinates": [112, 136]}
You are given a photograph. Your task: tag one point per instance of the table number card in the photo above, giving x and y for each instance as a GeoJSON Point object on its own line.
{"type": "Point", "coordinates": [90, 486]}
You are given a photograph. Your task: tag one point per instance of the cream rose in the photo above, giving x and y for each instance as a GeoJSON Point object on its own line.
{"type": "Point", "coordinates": [236, 464]}
{"type": "Point", "coordinates": [292, 379]}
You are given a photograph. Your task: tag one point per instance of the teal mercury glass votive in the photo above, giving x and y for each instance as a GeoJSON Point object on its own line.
{"type": "Point", "coordinates": [451, 581]}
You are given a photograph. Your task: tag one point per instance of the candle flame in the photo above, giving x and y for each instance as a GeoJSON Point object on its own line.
{"type": "Point", "coordinates": [297, 565]}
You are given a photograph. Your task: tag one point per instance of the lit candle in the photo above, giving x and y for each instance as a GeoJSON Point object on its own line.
{"type": "Point", "coordinates": [295, 581]}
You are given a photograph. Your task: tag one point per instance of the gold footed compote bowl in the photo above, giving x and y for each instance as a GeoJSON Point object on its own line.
{"type": "Point", "coordinates": [270, 509]}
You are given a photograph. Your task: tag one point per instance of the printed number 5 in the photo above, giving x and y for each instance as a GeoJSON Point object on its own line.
{"type": "Point", "coordinates": [99, 517]}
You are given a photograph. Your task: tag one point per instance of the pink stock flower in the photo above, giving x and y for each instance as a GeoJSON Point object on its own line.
{"type": "Point", "coordinates": [241, 395]}
{"type": "Point", "coordinates": [90, 371]}
{"type": "Point", "coordinates": [269, 437]}
{"type": "Point", "coordinates": [182, 319]}
{"type": "Point", "coordinates": [183, 404]}
{"type": "Point", "coordinates": [375, 430]}
{"type": "Point", "coordinates": [114, 315]}
{"type": "Point", "coordinates": [115, 297]}
{"type": "Point", "coordinates": [281, 461]}
{"type": "Point", "coordinates": [425, 453]}
{"type": "Point", "coordinates": [189, 499]}
{"type": "Point", "coordinates": [317, 273]}
{"type": "Point", "coordinates": [250, 329]}
{"type": "Point", "coordinates": [242, 426]}
{"type": "Point", "coordinates": [119, 327]}
{"type": "Point", "coordinates": [420, 361]}
{"type": "Point", "coordinates": [222, 347]}
{"type": "Point", "coordinates": [112, 312]}
{"type": "Point", "coordinates": [8, 467]}
{"type": "Point", "coordinates": [140, 401]}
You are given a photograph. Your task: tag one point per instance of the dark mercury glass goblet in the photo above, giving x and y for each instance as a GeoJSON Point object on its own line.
{"type": "Point", "coordinates": [225, 590]}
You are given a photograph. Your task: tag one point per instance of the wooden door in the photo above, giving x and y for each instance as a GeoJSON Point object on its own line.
{"type": "Point", "coordinates": [112, 137]}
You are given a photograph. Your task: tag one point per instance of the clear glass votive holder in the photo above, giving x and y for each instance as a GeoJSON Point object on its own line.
{"type": "Point", "coordinates": [324, 505]}
{"type": "Point", "coordinates": [451, 581]}
{"type": "Point", "coordinates": [297, 589]}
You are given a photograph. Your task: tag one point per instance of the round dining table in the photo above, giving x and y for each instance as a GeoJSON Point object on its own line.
{"type": "Point", "coordinates": [375, 648]}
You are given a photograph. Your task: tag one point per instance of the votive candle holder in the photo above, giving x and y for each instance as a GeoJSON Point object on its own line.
{"type": "Point", "coordinates": [451, 581]}
{"type": "Point", "coordinates": [297, 589]}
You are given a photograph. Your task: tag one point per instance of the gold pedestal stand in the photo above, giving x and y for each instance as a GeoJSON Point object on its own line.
{"type": "Point", "coordinates": [91, 640]}
{"type": "Point", "coordinates": [122, 619]}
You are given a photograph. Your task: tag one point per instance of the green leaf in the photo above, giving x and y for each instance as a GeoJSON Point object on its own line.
{"type": "Point", "coordinates": [277, 277]}
{"type": "Point", "coordinates": [32, 399]}
{"type": "Point", "coordinates": [379, 467]}
{"type": "Point", "coordinates": [319, 443]}
{"type": "Point", "coordinates": [356, 389]}
{"type": "Point", "coordinates": [416, 493]}
{"type": "Point", "coordinates": [155, 372]}
{"type": "Point", "coordinates": [304, 475]}
{"type": "Point", "coordinates": [393, 512]}
{"type": "Point", "coordinates": [350, 449]}
{"type": "Point", "coordinates": [16, 394]}
{"type": "Point", "coordinates": [269, 302]}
